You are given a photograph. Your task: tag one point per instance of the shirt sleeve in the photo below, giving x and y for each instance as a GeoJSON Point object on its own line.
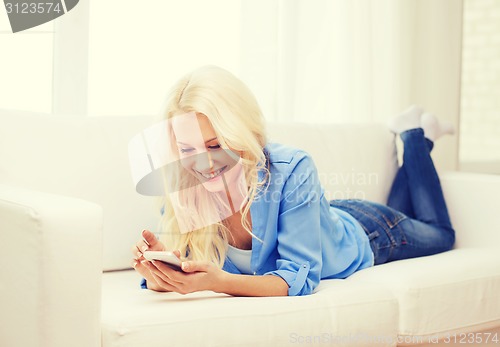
{"type": "Point", "coordinates": [299, 229]}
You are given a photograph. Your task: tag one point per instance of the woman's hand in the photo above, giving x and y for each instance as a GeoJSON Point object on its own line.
{"type": "Point", "coordinates": [147, 243]}
{"type": "Point", "coordinates": [197, 276]}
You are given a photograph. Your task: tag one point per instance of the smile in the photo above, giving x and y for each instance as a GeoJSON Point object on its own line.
{"type": "Point", "coordinates": [214, 174]}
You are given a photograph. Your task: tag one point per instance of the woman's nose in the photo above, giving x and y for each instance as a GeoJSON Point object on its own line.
{"type": "Point", "coordinates": [204, 162]}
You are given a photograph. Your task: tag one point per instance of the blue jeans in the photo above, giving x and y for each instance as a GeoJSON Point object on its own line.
{"type": "Point", "coordinates": [415, 221]}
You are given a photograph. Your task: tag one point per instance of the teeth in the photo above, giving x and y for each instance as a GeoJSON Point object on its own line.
{"type": "Point", "coordinates": [212, 175]}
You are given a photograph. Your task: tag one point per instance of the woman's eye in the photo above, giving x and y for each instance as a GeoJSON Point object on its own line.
{"type": "Point", "coordinates": [217, 146]}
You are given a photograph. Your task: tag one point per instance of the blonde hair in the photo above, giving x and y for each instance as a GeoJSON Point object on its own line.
{"type": "Point", "coordinates": [237, 120]}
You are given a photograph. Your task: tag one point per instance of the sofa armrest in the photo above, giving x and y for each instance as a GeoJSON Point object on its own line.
{"type": "Point", "coordinates": [51, 271]}
{"type": "Point", "coordinates": [472, 201]}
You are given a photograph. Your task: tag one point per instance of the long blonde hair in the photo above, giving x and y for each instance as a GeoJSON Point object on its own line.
{"type": "Point", "coordinates": [239, 124]}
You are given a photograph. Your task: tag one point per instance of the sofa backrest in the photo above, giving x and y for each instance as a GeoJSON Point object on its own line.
{"type": "Point", "coordinates": [87, 158]}
{"type": "Point", "coordinates": [83, 157]}
{"type": "Point", "coordinates": [354, 161]}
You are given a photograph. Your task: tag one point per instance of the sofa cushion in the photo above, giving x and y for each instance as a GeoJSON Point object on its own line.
{"type": "Point", "coordinates": [342, 312]}
{"type": "Point", "coordinates": [443, 293]}
{"type": "Point", "coordinates": [354, 161]}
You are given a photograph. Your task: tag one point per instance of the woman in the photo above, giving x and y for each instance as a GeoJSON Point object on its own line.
{"type": "Point", "coordinates": [273, 232]}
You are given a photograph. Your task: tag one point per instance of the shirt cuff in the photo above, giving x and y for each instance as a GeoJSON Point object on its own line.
{"type": "Point", "coordinates": [296, 279]}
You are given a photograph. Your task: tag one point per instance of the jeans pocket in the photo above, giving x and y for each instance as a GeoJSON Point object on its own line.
{"type": "Point", "coordinates": [378, 237]}
{"type": "Point", "coordinates": [380, 243]}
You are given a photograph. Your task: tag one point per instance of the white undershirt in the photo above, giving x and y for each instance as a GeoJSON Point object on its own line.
{"type": "Point", "coordinates": [240, 258]}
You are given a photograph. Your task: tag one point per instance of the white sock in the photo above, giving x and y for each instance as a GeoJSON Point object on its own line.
{"type": "Point", "coordinates": [433, 128]}
{"type": "Point", "coordinates": [409, 119]}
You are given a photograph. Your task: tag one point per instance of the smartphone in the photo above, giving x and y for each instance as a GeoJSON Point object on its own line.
{"type": "Point", "coordinates": [166, 257]}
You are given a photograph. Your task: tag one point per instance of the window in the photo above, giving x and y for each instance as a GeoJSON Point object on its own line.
{"type": "Point", "coordinates": [26, 67]}
{"type": "Point", "coordinates": [136, 55]}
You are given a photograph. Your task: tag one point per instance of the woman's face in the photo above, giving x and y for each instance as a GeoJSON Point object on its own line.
{"type": "Point", "coordinates": [201, 154]}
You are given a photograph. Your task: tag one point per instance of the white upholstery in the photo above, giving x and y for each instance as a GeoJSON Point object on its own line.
{"type": "Point", "coordinates": [51, 261]}
{"type": "Point", "coordinates": [465, 281]}
{"type": "Point", "coordinates": [131, 316]}
{"type": "Point", "coordinates": [473, 207]}
{"type": "Point", "coordinates": [51, 292]}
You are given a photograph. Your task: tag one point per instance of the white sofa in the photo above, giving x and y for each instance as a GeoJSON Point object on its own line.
{"type": "Point", "coordinates": [68, 210]}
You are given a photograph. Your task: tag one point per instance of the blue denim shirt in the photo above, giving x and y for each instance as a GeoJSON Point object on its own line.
{"type": "Point", "coordinates": [302, 238]}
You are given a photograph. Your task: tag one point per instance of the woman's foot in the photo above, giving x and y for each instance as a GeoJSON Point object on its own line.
{"type": "Point", "coordinates": [409, 119]}
{"type": "Point", "coordinates": [433, 128]}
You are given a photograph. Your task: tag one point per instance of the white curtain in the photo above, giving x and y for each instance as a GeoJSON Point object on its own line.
{"type": "Point", "coordinates": [353, 60]}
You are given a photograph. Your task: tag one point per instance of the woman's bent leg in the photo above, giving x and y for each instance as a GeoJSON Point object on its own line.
{"type": "Point", "coordinates": [424, 187]}
{"type": "Point", "coordinates": [399, 196]}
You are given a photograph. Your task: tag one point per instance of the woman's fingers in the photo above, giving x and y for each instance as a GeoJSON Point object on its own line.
{"type": "Point", "coordinates": [141, 269]}
{"type": "Point", "coordinates": [195, 266]}
{"type": "Point", "coordinates": [138, 249]}
{"type": "Point", "coordinates": [144, 271]}
{"type": "Point", "coordinates": [147, 243]}
{"type": "Point", "coordinates": [164, 285]}
{"type": "Point", "coordinates": [142, 246]}
{"type": "Point", "coordinates": [163, 280]}
{"type": "Point", "coordinates": [163, 271]}
{"type": "Point", "coordinates": [151, 241]}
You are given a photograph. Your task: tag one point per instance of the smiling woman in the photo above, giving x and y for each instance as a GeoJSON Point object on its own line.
{"type": "Point", "coordinates": [249, 217]}
{"type": "Point", "coordinates": [200, 109]}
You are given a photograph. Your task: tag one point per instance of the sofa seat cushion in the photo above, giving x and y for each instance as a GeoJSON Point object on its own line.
{"type": "Point", "coordinates": [340, 310]}
{"type": "Point", "coordinates": [442, 294]}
